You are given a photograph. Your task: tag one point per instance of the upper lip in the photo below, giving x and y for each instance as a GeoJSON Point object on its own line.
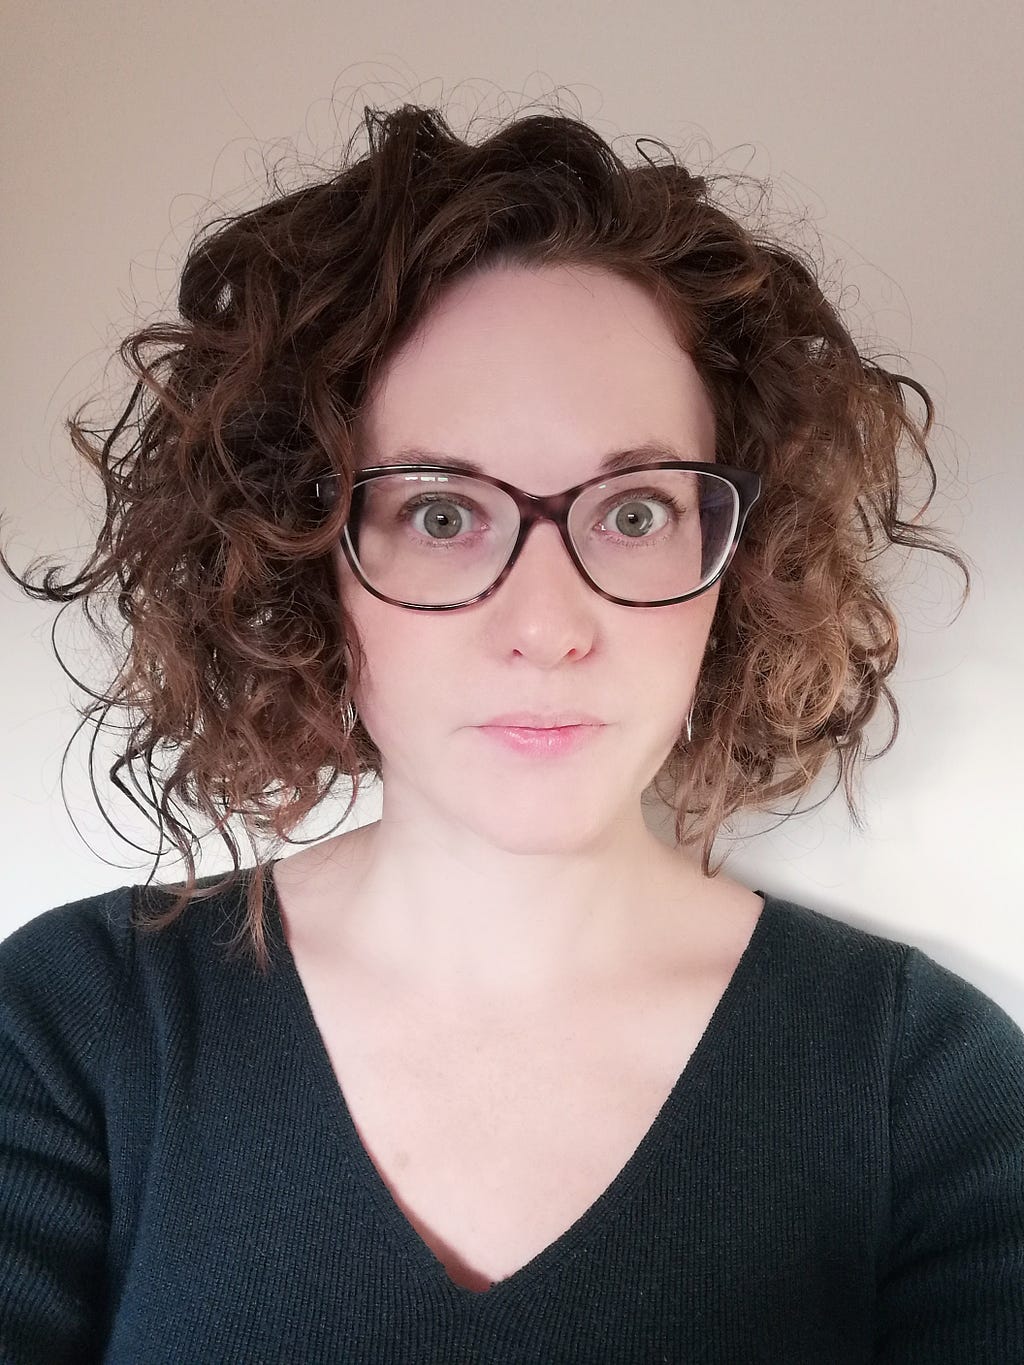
{"type": "Point", "coordinates": [537, 720]}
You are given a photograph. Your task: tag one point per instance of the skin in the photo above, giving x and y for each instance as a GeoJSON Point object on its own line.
{"type": "Point", "coordinates": [494, 879]}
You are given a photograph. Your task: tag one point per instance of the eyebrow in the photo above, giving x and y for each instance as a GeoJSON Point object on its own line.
{"type": "Point", "coordinates": [650, 452]}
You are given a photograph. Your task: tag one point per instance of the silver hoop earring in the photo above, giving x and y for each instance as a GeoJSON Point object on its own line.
{"type": "Point", "coordinates": [689, 723]}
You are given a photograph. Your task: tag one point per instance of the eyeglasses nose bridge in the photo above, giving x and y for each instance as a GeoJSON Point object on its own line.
{"type": "Point", "coordinates": [536, 510]}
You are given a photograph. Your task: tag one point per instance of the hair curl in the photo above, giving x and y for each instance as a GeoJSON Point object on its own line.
{"type": "Point", "coordinates": [240, 654]}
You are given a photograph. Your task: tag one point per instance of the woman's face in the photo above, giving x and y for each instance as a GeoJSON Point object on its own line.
{"type": "Point", "coordinates": [535, 375]}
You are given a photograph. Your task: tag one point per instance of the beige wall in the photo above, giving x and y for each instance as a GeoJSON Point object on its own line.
{"type": "Point", "coordinates": [891, 129]}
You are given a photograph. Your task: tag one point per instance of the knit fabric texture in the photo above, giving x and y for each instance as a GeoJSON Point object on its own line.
{"type": "Point", "coordinates": [837, 1175]}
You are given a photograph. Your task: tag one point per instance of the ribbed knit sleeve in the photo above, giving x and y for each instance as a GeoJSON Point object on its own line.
{"type": "Point", "coordinates": [953, 1289]}
{"type": "Point", "coordinates": [60, 979]}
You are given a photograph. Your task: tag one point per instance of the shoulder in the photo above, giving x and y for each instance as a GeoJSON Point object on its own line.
{"type": "Point", "coordinates": [69, 971]}
{"type": "Point", "coordinates": [81, 943]}
{"type": "Point", "coordinates": [70, 952]}
{"type": "Point", "coordinates": [939, 1023]}
{"type": "Point", "coordinates": [62, 983]}
{"type": "Point", "coordinates": [822, 933]}
{"type": "Point", "coordinates": [809, 953]}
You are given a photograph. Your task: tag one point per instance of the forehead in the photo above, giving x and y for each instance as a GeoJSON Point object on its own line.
{"type": "Point", "coordinates": [551, 374]}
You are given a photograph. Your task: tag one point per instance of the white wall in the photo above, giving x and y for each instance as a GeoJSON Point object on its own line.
{"type": "Point", "coordinates": [893, 130]}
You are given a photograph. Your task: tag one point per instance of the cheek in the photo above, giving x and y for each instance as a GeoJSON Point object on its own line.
{"type": "Point", "coordinates": [403, 657]}
{"type": "Point", "coordinates": [674, 637]}
{"type": "Point", "coordinates": [393, 692]}
{"type": "Point", "coordinates": [664, 661]}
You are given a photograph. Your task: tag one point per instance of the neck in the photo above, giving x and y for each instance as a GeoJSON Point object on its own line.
{"type": "Point", "coordinates": [444, 913]}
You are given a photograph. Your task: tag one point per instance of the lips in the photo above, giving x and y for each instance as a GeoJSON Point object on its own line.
{"type": "Point", "coordinates": [535, 720]}
{"type": "Point", "coordinates": [542, 742]}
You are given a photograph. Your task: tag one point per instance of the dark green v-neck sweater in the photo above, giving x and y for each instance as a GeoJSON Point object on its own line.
{"type": "Point", "coordinates": [837, 1175]}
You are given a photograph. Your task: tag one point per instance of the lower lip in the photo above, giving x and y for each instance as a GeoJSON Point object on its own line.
{"type": "Point", "coordinates": [562, 739]}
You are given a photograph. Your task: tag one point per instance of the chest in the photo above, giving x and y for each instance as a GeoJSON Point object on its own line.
{"type": "Point", "coordinates": [494, 1141]}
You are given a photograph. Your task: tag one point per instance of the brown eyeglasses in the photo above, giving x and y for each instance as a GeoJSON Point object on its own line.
{"type": "Point", "coordinates": [432, 538]}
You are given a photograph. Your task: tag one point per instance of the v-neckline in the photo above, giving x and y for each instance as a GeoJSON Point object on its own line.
{"type": "Point", "coordinates": [330, 1097]}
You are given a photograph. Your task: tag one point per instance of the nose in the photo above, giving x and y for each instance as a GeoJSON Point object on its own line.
{"type": "Point", "coordinates": [544, 562]}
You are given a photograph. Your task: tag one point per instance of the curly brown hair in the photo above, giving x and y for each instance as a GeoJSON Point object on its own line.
{"type": "Point", "coordinates": [240, 652]}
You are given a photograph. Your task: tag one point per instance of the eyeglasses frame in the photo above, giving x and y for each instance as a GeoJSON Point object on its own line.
{"type": "Point", "coordinates": [555, 507]}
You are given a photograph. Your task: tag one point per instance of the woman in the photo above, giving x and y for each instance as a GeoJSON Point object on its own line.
{"type": "Point", "coordinates": [528, 482]}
